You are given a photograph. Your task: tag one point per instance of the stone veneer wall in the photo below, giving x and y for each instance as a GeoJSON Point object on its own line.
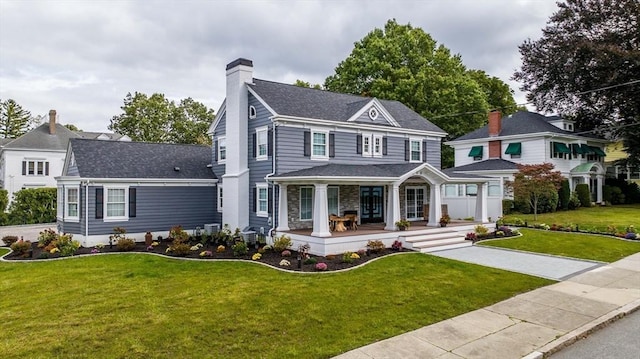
{"type": "Point", "coordinates": [348, 198]}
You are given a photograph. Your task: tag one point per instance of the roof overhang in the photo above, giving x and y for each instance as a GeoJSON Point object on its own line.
{"type": "Point", "coordinates": [168, 182]}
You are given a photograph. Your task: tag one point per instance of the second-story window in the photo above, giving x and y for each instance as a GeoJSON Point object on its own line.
{"type": "Point", "coordinates": [366, 145]}
{"type": "Point", "coordinates": [416, 151]}
{"type": "Point", "coordinates": [319, 145]}
{"type": "Point", "coordinates": [377, 146]}
{"type": "Point", "coordinates": [35, 168]}
{"type": "Point", "coordinates": [222, 149]}
{"type": "Point", "coordinates": [261, 143]}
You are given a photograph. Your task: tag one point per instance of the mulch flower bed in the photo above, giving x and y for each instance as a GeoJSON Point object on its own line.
{"type": "Point", "coordinates": [269, 257]}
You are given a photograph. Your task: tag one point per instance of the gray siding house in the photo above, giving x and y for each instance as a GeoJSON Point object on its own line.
{"type": "Point", "coordinates": [142, 187]}
{"type": "Point", "coordinates": [288, 157]}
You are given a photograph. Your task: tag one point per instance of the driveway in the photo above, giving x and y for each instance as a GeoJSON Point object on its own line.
{"type": "Point", "coordinates": [539, 265]}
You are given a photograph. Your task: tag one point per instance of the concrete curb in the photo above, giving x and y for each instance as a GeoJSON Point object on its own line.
{"type": "Point", "coordinates": [583, 331]}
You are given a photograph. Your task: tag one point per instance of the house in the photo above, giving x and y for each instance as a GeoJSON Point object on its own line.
{"type": "Point", "coordinates": [142, 187]}
{"type": "Point", "coordinates": [34, 159]}
{"type": "Point", "coordinates": [615, 169]}
{"type": "Point", "coordinates": [525, 138]}
{"type": "Point", "coordinates": [288, 157]}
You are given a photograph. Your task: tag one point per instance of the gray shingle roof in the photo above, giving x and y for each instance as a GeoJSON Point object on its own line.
{"type": "Point", "coordinates": [115, 159]}
{"type": "Point", "coordinates": [94, 135]}
{"type": "Point", "coordinates": [40, 139]}
{"type": "Point", "coordinates": [494, 164]}
{"type": "Point", "coordinates": [520, 123]}
{"type": "Point", "coordinates": [350, 170]}
{"type": "Point", "coordinates": [291, 100]}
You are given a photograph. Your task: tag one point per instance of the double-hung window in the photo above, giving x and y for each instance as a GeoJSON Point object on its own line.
{"type": "Point", "coordinates": [220, 197]}
{"type": "Point", "coordinates": [366, 145]}
{"type": "Point", "coordinates": [222, 149]}
{"type": "Point", "coordinates": [115, 203]}
{"type": "Point", "coordinates": [261, 143]}
{"type": "Point", "coordinates": [72, 203]}
{"type": "Point", "coordinates": [35, 168]}
{"type": "Point", "coordinates": [306, 203]}
{"type": "Point", "coordinates": [319, 144]}
{"type": "Point", "coordinates": [416, 151]}
{"type": "Point", "coordinates": [262, 200]}
{"type": "Point", "coordinates": [377, 146]}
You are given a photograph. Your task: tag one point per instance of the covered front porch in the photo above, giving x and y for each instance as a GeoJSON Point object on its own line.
{"type": "Point", "coordinates": [592, 174]}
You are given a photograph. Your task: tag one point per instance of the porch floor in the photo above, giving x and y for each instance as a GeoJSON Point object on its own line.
{"type": "Point", "coordinates": [378, 228]}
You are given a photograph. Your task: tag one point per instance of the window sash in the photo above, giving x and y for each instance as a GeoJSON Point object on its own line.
{"type": "Point", "coordinates": [263, 200]}
{"type": "Point", "coordinates": [377, 145]}
{"type": "Point", "coordinates": [72, 202]}
{"type": "Point", "coordinates": [416, 151]}
{"type": "Point", "coordinates": [319, 144]}
{"type": "Point", "coordinates": [333, 200]}
{"type": "Point", "coordinates": [115, 202]}
{"type": "Point", "coordinates": [306, 203]}
{"type": "Point", "coordinates": [261, 143]}
{"type": "Point", "coordinates": [222, 149]}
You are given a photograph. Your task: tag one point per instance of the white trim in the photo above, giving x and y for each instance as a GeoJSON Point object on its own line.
{"type": "Point", "coordinates": [265, 187]}
{"type": "Point", "coordinates": [106, 217]}
{"type": "Point", "coordinates": [373, 113]}
{"type": "Point", "coordinates": [262, 102]}
{"type": "Point", "coordinates": [219, 155]}
{"type": "Point", "coordinates": [366, 144]}
{"type": "Point", "coordinates": [219, 198]}
{"type": "Point", "coordinates": [300, 203]}
{"type": "Point", "coordinates": [262, 130]}
{"type": "Point", "coordinates": [219, 115]}
{"type": "Point", "coordinates": [413, 140]}
{"type": "Point", "coordinates": [67, 217]}
{"type": "Point", "coordinates": [377, 153]}
{"type": "Point", "coordinates": [406, 201]}
{"type": "Point", "coordinates": [545, 135]}
{"type": "Point", "coordinates": [324, 157]}
{"type": "Point", "coordinates": [374, 103]}
{"type": "Point", "coordinates": [140, 182]}
{"type": "Point", "coordinates": [253, 113]}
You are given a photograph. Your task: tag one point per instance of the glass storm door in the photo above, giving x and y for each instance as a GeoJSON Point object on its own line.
{"type": "Point", "coordinates": [415, 199]}
{"type": "Point", "coordinates": [371, 204]}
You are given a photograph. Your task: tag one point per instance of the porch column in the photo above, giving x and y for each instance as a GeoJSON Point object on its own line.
{"type": "Point", "coordinates": [599, 184]}
{"type": "Point", "coordinates": [481, 204]}
{"type": "Point", "coordinates": [283, 209]}
{"type": "Point", "coordinates": [320, 212]}
{"type": "Point", "coordinates": [435, 206]}
{"type": "Point", "coordinates": [393, 207]}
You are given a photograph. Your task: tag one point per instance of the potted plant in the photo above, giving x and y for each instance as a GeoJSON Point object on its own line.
{"type": "Point", "coordinates": [403, 224]}
{"type": "Point", "coordinates": [444, 220]}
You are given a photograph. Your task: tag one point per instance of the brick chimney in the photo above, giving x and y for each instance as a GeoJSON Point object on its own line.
{"type": "Point", "coordinates": [495, 126]}
{"type": "Point", "coordinates": [52, 122]}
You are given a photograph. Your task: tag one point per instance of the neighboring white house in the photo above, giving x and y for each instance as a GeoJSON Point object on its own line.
{"type": "Point", "coordinates": [34, 159]}
{"type": "Point", "coordinates": [527, 138]}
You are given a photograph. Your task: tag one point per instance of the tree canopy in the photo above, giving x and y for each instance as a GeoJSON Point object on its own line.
{"type": "Point", "coordinates": [533, 182]}
{"type": "Point", "coordinates": [156, 119]}
{"type": "Point", "coordinates": [14, 120]}
{"type": "Point", "coordinates": [586, 66]}
{"type": "Point", "coordinates": [406, 64]}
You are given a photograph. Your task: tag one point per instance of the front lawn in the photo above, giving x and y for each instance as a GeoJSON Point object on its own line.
{"type": "Point", "coordinates": [585, 246]}
{"type": "Point", "coordinates": [597, 218]}
{"type": "Point", "coordinates": [143, 306]}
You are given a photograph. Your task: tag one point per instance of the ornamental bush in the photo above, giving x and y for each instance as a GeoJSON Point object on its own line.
{"type": "Point", "coordinates": [564, 194]}
{"type": "Point", "coordinates": [21, 248]}
{"type": "Point", "coordinates": [125, 244]}
{"type": "Point", "coordinates": [9, 240]}
{"type": "Point", "coordinates": [240, 249]}
{"type": "Point", "coordinates": [282, 243]}
{"type": "Point", "coordinates": [582, 190]}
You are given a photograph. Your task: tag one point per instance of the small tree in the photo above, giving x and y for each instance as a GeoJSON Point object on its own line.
{"type": "Point", "coordinates": [564, 194]}
{"type": "Point", "coordinates": [33, 205]}
{"type": "Point", "coordinates": [533, 182]}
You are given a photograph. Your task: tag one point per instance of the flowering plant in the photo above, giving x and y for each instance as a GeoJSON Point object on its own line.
{"type": "Point", "coordinates": [286, 253]}
{"type": "Point", "coordinates": [285, 263]}
{"type": "Point", "coordinates": [99, 245]}
{"type": "Point", "coordinates": [54, 250]}
{"type": "Point", "coordinates": [256, 256]}
{"type": "Point", "coordinates": [471, 236]}
{"type": "Point", "coordinates": [397, 245]}
{"type": "Point", "coordinates": [196, 247]}
{"type": "Point", "coordinates": [206, 254]}
{"type": "Point", "coordinates": [321, 266]}
{"type": "Point", "coordinates": [94, 251]}
{"type": "Point", "coordinates": [355, 256]}
{"type": "Point", "coordinates": [220, 249]}
{"type": "Point", "coordinates": [149, 248]}
{"type": "Point", "coordinates": [155, 244]}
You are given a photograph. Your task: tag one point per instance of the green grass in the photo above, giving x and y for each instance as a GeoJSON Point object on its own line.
{"type": "Point", "coordinates": [598, 218]}
{"type": "Point", "coordinates": [575, 245]}
{"type": "Point", "coordinates": [142, 306]}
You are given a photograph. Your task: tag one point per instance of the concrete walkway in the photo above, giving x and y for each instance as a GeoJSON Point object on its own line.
{"type": "Point", "coordinates": [539, 265]}
{"type": "Point", "coordinates": [528, 325]}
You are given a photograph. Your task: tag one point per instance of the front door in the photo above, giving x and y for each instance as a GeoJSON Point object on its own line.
{"type": "Point", "coordinates": [415, 199]}
{"type": "Point", "coordinates": [371, 204]}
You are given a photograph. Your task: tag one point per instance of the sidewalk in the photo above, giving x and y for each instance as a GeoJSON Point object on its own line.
{"type": "Point", "coordinates": [528, 325]}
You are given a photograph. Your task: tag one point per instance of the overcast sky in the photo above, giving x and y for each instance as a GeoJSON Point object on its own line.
{"type": "Point", "coordinates": [82, 57]}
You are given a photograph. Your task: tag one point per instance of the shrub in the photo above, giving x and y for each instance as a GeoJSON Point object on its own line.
{"type": "Point", "coordinates": [67, 247]}
{"type": "Point", "coordinates": [481, 230]}
{"type": "Point", "coordinates": [617, 197]}
{"type": "Point", "coordinates": [574, 201]}
{"type": "Point", "coordinates": [125, 244]}
{"type": "Point", "coordinates": [43, 255]}
{"type": "Point", "coordinates": [285, 263]}
{"type": "Point", "coordinates": [178, 234]}
{"type": "Point", "coordinates": [321, 266]}
{"type": "Point", "coordinates": [346, 257]}
{"type": "Point", "coordinates": [397, 245]}
{"type": "Point", "coordinates": [374, 246]}
{"type": "Point", "coordinates": [21, 248]}
{"type": "Point", "coordinates": [256, 256]}
{"type": "Point", "coordinates": [504, 229]}
{"type": "Point", "coordinates": [508, 205]}
{"type": "Point", "coordinates": [9, 240]}
{"type": "Point", "coordinates": [310, 260]}
{"type": "Point", "coordinates": [220, 248]}
{"type": "Point", "coordinates": [286, 253]}
{"type": "Point", "coordinates": [33, 205]}
{"type": "Point", "coordinates": [240, 249]}
{"type": "Point", "coordinates": [206, 254]}
{"type": "Point", "coordinates": [180, 249]}
{"type": "Point", "coordinates": [564, 193]}
{"type": "Point", "coordinates": [281, 243]}
{"type": "Point", "coordinates": [582, 190]}
{"type": "Point", "coordinates": [47, 236]}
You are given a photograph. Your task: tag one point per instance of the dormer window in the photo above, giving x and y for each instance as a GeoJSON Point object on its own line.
{"type": "Point", "coordinates": [252, 112]}
{"type": "Point", "coordinates": [373, 113]}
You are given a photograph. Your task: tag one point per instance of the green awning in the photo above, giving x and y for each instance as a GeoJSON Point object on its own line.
{"type": "Point", "coordinates": [476, 151]}
{"type": "Point", "coordinates": [598, 151]}
{"type": "Point", "coordinates": [560, 147]}
{"type": "Point", "coordinates": [586, 149]}
{"type": "Point", "coordinates": [514, 149]}
{"type": "Point", "coordinates": [576, 149]}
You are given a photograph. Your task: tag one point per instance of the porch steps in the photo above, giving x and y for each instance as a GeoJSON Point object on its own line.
{"type": "Point", "coordinates": [437, 239]}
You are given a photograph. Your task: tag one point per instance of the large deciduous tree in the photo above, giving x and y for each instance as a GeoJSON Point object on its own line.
{"type": "Point", "coordinates": [533, 182]}
{"type": "Point", "coordinates": [14, 120]}
{"type": "Point", "coordinates": [156, 119]}
{"type": "Point", "coordinates": [586, 66]}
{"type": "Point", "coordinates": [406, 64]}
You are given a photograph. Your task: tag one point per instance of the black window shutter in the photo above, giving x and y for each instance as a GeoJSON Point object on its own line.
{"type": "Point", "coordinates": [332, 145]}
{"type": "Point", "coordinates": [253, 141]}
{"type": "Point", "coordinates": [270, 143]}
{"type": "Point", "coordinates": [424, 151]}
{"type": "Point", "coordinates": [46, 168]}
{"type": "Point", "coordinates": [270, 201]}
{"type": "Point", "coordinates": [307, 143]}
{"type": "Point", "coordinates": [99, 202]}
{"type": "Point", "coordinates": [215, 151]}
{"type": "Point", "coordinates": [384, 146]}
{"type": "Point", "coordinates": [132, 202]}
{"type": "Point", "coordinates": [255, 199]}
{"type": "Point", "coordinates": [359, 144]}
{"type": "Point", "coordinates": [406, 150]}
{"type": "Point", "coordinates": [24, 168]}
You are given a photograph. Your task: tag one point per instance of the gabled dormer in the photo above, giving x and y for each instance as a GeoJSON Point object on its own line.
{"type": "Point", "coordinates": [370, 112]}
{"type": "Point", "coordinates": [562, 123]}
